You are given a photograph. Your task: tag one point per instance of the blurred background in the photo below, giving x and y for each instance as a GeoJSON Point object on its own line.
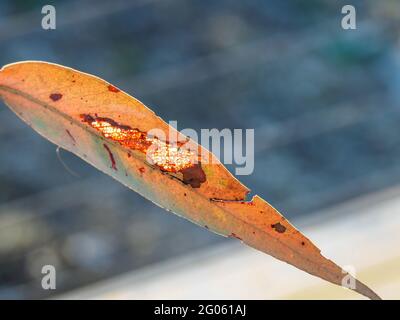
{"type": "Point", "coordinates": [324, 103]}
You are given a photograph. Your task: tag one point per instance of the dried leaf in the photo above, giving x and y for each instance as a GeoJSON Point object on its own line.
{"type": "Point", "coordinates": [109, 129]}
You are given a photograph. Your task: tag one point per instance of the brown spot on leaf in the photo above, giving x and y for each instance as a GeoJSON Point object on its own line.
{"type": "Point", "coordinates": [142, 170]}
{"type": "Point", "coordinates": [112, 159]}
{"type": "Point", "coordinates": [194, 175]}
{"type": "Point", "coordinates": [55, 96]}
{"type": "Point", "coordinates": [112, 88]}
{"type": "Point", "coordinates": [278, 227]}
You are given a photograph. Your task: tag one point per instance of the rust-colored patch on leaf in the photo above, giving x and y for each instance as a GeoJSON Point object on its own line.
{"type": "Point", "coordinates": [165, 156]}
{"type": "Point", "coordinates": [124, 135]}
{"type": "Point", "coordinates": [55, 96]}
{"type": "Point", "coordinates": [112, 159]}
{"type": "Point", "coordinates": [112, 88]}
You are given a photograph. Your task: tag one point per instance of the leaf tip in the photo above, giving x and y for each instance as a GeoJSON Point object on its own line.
{"type": "Point", "coordinates": [366, 291]}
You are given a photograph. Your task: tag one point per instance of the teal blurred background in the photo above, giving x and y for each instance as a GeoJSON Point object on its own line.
{"type": "Point", "coordinates": [324, 103]}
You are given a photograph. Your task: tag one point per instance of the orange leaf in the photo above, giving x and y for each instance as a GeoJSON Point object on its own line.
{"type": "Point", "coordinates": [111, 130]}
